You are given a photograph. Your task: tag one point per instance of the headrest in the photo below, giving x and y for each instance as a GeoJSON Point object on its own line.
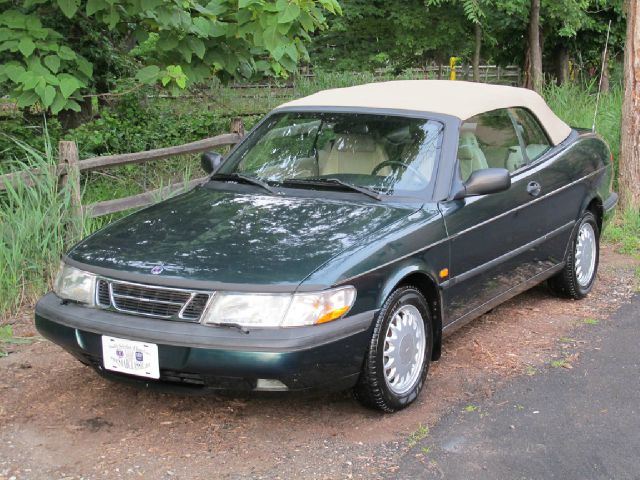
{"type": "Point", "coordinates": [351, 128]}
{"type": "Point", "coordinates": [468, 138]}
{"type": "Point", "coordinates": [354, 143]}
{"type": "Point", "coordinates": [468, 127]}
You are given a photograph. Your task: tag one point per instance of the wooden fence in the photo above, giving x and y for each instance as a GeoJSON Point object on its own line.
{"type": "Point", "coordinates": [69, 167]}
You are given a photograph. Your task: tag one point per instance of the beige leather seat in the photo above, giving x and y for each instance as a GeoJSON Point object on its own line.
{"type": "Point", "coordinates": [470, 155]}
{"type": "Point", "coordinates": [352, 153]}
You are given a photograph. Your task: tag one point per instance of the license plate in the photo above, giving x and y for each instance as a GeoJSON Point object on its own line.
{"type": "Point", "coordinates": [128, 356]}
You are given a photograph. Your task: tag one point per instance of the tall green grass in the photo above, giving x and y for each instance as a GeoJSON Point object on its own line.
{"type": "Point", "coordinates": [34, 221]}
{"type": "Point", "coordinates": [575, 104]}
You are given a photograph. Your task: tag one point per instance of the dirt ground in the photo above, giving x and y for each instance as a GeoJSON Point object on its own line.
{"type": "Point", "coordinates": [58, 419]}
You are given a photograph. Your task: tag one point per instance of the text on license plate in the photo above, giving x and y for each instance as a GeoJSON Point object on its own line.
{"type": "Point", "coordinates": [129, 356]}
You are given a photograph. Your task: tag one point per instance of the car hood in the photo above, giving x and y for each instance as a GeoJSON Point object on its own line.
{"type": "Point", "coordinates": [242, 239]}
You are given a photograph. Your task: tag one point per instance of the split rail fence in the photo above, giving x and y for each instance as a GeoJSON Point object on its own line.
{"type": "Point", "coordinates": [69, 167]}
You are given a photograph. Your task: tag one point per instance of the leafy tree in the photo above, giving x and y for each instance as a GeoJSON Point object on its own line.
{"type": "Point", "coordinates": [474, 11]}
{"type": "Point", "coordinates": [44, 57]}
{"type": "Point", "coordinates": [390, 33]}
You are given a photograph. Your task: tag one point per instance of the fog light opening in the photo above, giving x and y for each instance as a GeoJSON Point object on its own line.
{"type": "Point", "coordinates": [270, 385]}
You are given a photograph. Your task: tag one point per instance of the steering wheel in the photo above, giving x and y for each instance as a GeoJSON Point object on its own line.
{"type": "Point", "coordinates": [386, 163]}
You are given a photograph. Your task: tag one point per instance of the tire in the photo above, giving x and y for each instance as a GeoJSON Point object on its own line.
{"type": "Point", "coordinates": [579, 273]}
{"type": "Point", "coordinates": [406, 308]}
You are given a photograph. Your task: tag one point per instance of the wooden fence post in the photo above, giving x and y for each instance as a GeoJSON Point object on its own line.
{"type": "Point", "coordinates": [237, 126]}
{"type": "Point", "coordinates": [70, 178]}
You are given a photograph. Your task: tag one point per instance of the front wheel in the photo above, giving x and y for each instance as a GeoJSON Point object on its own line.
{"type": "Point", "coordinates": [399, 352]}
{"type": "Point", "coordinates": [579, 274]}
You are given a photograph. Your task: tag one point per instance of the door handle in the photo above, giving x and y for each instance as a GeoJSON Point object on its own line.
{"type": "Point", "coordinates": [534, 189]}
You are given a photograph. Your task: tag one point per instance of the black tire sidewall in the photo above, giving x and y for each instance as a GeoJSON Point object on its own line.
{"type": "Point", "coordinates": [406, 296]}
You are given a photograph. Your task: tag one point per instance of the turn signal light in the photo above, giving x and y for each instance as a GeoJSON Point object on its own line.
{"type": "Point", "coordinates": [327, 317]}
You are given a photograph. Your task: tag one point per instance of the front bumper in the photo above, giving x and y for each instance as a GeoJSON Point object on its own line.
{"type": "Point", "coordinates": [199, 357]}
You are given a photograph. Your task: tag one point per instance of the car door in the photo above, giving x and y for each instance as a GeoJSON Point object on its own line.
{"type": "Point", "coordinates": [551, 209]}
{"type": "Point", "coordinates": [489, 235]}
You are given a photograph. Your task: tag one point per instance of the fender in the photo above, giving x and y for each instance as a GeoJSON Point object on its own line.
{"type": "Point", "coordinates": [400, 273]}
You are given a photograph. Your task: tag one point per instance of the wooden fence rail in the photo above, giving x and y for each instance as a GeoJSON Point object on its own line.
{"type": "Point", "coordinates": [69, 167]}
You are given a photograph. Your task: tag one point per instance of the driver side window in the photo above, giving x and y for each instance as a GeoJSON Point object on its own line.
{"type": "Point", "coordinates": [486, 141]}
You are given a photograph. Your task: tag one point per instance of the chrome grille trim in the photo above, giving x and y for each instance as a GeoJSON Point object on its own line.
{"type": "Point", "coordinates": [174, 309]}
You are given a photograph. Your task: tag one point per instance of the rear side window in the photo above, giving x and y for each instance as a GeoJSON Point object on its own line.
{"type": "Point", "coordinates": [535, 139]}
{"type": "Point", "coordinates": [486, 141]}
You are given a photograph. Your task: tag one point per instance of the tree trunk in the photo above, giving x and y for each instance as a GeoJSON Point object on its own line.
{"type": "Point", "coordinates": [562, 64]}
{"type": "Point", "coordinates": [476, 54]}
{"type": "Point", "coordinates": [629, 179]}
{"type": "Point", "coordinates": [535, 54]}
{"type": "Point", "coordinates": [527, 83]}
{"type": "Point", "coordinates": [70, 119]}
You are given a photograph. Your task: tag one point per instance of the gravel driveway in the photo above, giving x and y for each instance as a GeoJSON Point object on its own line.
{"type": "Point", "coordinates": [58, 419]}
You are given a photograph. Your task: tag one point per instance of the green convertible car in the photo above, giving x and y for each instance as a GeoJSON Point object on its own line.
{"type": "Point", "coordinates": [337, 244]}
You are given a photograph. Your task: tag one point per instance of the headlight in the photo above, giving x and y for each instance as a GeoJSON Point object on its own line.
{"type": "Point", "coordinates": [75, 285]}
{"type": "Point", "coordinates": [279, 310]}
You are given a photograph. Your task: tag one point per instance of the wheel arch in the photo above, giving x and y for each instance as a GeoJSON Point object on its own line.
{"type": "Point", "coordinates": [418, 277]}
{"type": "Point", "coordinates": [595, 206]}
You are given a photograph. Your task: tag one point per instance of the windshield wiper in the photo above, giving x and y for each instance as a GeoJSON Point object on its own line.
{"type": "Point", "coordinates": [233, 325]}
{"type": "Point", "coordinates": [238, 177]}
{"type": "Point", "coordinates": [333, 181]}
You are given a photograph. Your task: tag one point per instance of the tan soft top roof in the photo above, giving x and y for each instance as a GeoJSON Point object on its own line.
{"type": "Point", "coordinates": [456, 98]}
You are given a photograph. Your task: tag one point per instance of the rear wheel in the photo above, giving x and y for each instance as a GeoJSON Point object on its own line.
{"type": "Point", "coordinates": [579, 274]}
{"type": "Point", "coordinates": [399, 352]}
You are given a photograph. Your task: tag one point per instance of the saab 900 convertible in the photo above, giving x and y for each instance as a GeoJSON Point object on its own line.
{"type": "Point", "coordinates": [338, 243]}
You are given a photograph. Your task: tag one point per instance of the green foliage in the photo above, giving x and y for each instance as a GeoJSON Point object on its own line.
{"type": "Point", "coordinates": [624, 232]}
{"type": "Point", "coordinates": [576, 105]}
{"type": "Point", "coordinates": [420, 434]}
{"type": "Point", "coordinates": [7, 338]}
{"type": "Point", "coordinates": [193, 40]}
{"type": "Point", "coordinates": [400, 34]}
{"type": "Point", "coordinates": [133, 125]}
{"type": "Point", "coordinates": [558, 363]}
{"type": "Point", "coordinates": [32, 235]}
{"type": "Point", "coordinates": [390, 33]}
{"type": "Point", "coordinates": [29, 130]}
{"type": "Point", "coordinates": [474, 10]}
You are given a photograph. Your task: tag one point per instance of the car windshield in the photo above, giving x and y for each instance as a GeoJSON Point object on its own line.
{"type": "Point", "coordinates": [380, 153]}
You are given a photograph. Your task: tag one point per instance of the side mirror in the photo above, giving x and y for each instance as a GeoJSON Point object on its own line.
{"type": "Point", "coordinates": [485, 181]}
{"type": "Point", "coordinates": [210, 161]}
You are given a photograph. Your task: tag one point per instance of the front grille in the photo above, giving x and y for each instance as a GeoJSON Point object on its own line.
{"type": "Point", "coordinates": [159, 302]}
{"type": "Point", "coordinates": [103, 293]}
{"type": "Point", "coordinates": [196, 306]}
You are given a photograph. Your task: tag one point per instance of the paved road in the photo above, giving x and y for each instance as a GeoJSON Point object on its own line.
{"type": "Point", "coordinates": [579, 423]}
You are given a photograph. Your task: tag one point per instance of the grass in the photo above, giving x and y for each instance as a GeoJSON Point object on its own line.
{"type": "Point", "coordinates": [7, 338]}
{"type": "Point", "coordinates": [575, 104]}
{"type": "Point", "coordinates": [33, 236]}
{"type": "Point", "coordinates": [558, 363]}
{"type": "Point", "coordinates": [591, 321]}
{"type": "Point", "coordinates": [420, 434]}
{"type": "Point", "coordinates": [624, 232]}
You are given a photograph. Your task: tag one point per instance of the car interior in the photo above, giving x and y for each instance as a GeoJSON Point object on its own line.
{"type": "Point", "coordinates": [489, 140]}
{"type": "Point", "coordinates": [352, 153]}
